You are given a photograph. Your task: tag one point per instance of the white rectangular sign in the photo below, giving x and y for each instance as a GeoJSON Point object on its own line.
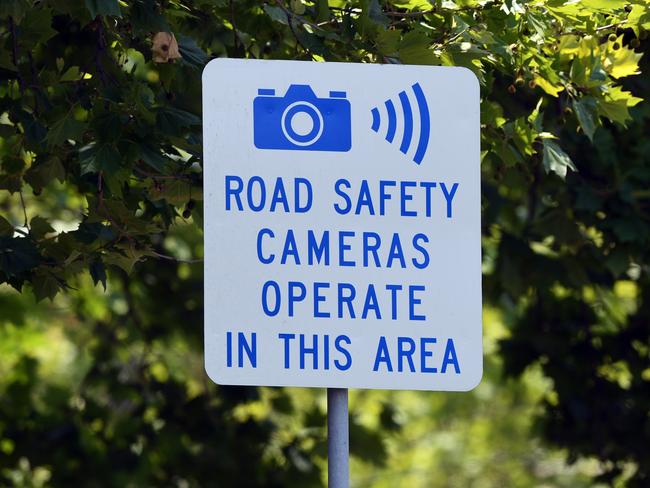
{"type": "Point", "coordinates": [342, 225]}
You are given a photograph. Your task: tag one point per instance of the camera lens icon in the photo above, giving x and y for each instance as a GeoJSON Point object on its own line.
{"type": "Point", "coordinates": [302, 123]}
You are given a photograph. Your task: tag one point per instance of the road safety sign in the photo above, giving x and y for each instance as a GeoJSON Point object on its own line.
{"type": "Point", "coordinates": [342, 225]}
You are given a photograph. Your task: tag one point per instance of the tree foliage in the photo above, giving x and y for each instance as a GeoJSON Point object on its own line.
{"type": "Point", "coordinates": [87, 112]}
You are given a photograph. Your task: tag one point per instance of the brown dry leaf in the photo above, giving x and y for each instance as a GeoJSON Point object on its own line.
{"type": "Point", "coordinates": [165, 47]}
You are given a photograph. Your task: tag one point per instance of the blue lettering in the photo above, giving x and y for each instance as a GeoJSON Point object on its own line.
{"type": "Point", "coordinates": [343, 366]}
{"type": "Point", "coordinates": [293, 297]}
{"type": "Point", "coordinates": [449, 196]}
{"type": "Point", "coordinates": [326, 352]}
{"type": "Point", "coordinates": [348, 203]}
{"type": "Point", "coordinates": [346, 299]}
{"type": "Point", "coordinates": [304, 350]}
{"type": "Point", "coordinates": [234, 191]}
{"type": "Point", "coordinates": [393, 297]}
{"type": "Point", "coordinates": [415, 301]}
{"type": "Point", "coordinates": [404, 197]}
{"type": "Point", "coordinates": [371, 303]}
{"type": "Point", "coordinates": [249, 349]}
{"type": "Point", "coordinates": [318, 250]}
{"type": "Point", "coordinates": [298, 182]}
{"type": "Point", "coordinates": [450, 358]}
{"type": "Point", "coordinates": [428, 186]}
{"type": "Point", "coordinates": [396, 252]}
{"type": "Point", "coordinates": [343, 247]}
{"type": "Point", "coordinates": [382, 356]}
{"type": "Point", "coordinates": [287, 338]}
{"type": "Point", "coordinates": [402, 353]}
{"type": "Point", "coordinates": [229, 349]}
{"type": "Point", "coordinates": [271, 312]}
{"type": "Point", "coordinates": [383, 196]}
{"type": "Point", "coordinates": [290, 248]}
{"type": "Point", "coordinates": [318, 298]}
{"type": "Point", "coordinates": [260, 256]}
{"type": "Point", "coordinates": [424, 354]}
{"type": "Point", "coordinates": [423, 250]}
{"type": "Point", "coordinates": [279, 196]}
{"type": "Point", "coordinates": [371, 248]}
{"type": "Point", "coordinates": [364, 199]}
{"type": "Point", "coordinates": [250, 191]}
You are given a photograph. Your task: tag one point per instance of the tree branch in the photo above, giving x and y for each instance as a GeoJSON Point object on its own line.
{"type": "Point", "coordinates": [100, 44]}
{"type": "Point", "coordinates": [14, 55]}
{"type": "Point", "coordinates": [172, 258]}
{"type": "Point", "coordinates": [22, 202]}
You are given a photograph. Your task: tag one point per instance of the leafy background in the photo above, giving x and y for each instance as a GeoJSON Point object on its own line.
{"type": "Point", "coordinates": [101, 376]}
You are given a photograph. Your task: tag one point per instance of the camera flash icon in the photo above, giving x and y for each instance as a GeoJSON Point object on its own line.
{"type": "Point", "coordinates": [300, 120]}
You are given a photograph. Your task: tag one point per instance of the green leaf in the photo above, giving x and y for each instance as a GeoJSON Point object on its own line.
{"type": "Point", "coordinates": [622, 62]}
{"type": "Point", "coordinates": [639, 17]}
{"type": "Point", "coordinates": [17, 255]}
{"type": "Point", "coordinates": [6, 60]}
{"type": "Point", "coordinates": [103, 7]}
{"type": "Point", "coordinates": [586, 111]}
{"type": "Point", "coordinates": [387, 42]}
{"type": "Point", "coordinates": [42, 174]}
{"type": "Point", "coordinates": [37, 27]}
{"type": "Point", "coordinates": [555, 159]}
{"type": "Point", "coordinates": [310, 41]}
{"type": "Point", "coordinates": [14, 8]}
{"type": "Point", "coordinates": [89, 232]}
{"type": "Point", "coordinates": [45, 285]}
{"type": "Point", "coordinates": [71, 74]}
{"type": "Point", "coordinates": [465, 54]}
{"type": "Point", "coordinates": [191, 52]}
{"type": "Point", "coordinates": [64, 129]}
{"type": "Point", "coordinates": [414, 49]}
{"type": "Point", "coordinates": [124, 216]}
{"type": "Point", "coordinates": [172, 120]}
{"type": "Point", "coordinates": [603, 5]}
{"type": "Point", "coordinates": [98, 272]}
{"type": "Point", "coordinates": [11, 183]}
{"type": "Point", "coordinates": [538, 26]}
{"type": "Point", "coordinates": [616, 103]}
{"type": "Point", "coordinates": [126, 258]}
{"type": "Point", "coordinates": [197, 214]}
{"type": "Point", "coordinates": [323, 10]}
{"type": "Point", "coordinates": [35, 132]}
{"type": "Point", "coordinates": [492, 114]}
{"type": "Point", "coordinates": [298, 7]}
{"type": "Point", "coordinates": [175, 192]}
{"type": "Point", "coordinates": [154, 159]}
{"type": "Point", "coordinates": [146, 17]}
{"type": "Point", "coordinates": [39, 227]}
{"type": "Point", "coordinates": [629, 230]}
{"type": "Point", "coordinates": [13, 164]}
{"type": "Point", "coordinates": [616, 111]}
{"type": "Point", "coordinates": [94, 158]}
{"type": "Point", "coordinates": [276, 14]}
{"type": "Point", "coordinates": [6, 229]}
{"type": "Point", "coordinates": [617, 262]}
{"type": "Point", "coordinates": [507, 153]}
{"type": "Point", "coordinates": [376, 14]}
{"type": "Point", "coordinates": [549, 87]}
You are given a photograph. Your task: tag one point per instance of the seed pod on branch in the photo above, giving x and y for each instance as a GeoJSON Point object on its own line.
{"type": "Point", "coordinates": [165, 47]}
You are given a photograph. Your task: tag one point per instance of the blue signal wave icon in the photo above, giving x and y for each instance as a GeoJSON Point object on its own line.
{"type": "Point", "coordinates": [407, 112]}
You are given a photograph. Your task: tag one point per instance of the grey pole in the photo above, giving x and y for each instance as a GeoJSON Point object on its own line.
{"type": "Point", "coordinates": [338, 438]}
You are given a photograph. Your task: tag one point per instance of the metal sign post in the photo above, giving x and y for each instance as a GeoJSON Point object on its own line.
{"type": "Point", "coordinates": [342, 230]}
{"type": "Point", "coordinates": [338, 438]}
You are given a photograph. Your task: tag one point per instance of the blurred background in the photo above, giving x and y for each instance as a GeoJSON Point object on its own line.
{"type": "Point", "coordinates": [101, 280]}
{"type": "Point", "coordinates": [109, 388]}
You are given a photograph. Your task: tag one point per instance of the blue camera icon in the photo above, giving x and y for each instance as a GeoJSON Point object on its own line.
{"type": "Point", "coordinates": [301, 121]}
